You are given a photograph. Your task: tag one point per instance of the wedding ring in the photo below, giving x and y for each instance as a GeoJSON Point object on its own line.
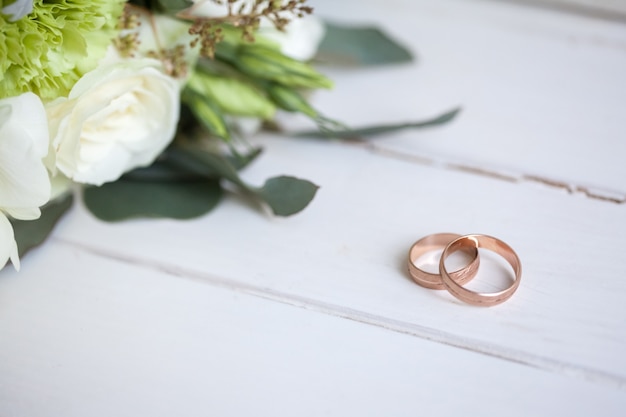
{"type": "Point", "coordinates": [434, 242]}
{"type": "Point", "coordinates": [476, 242]}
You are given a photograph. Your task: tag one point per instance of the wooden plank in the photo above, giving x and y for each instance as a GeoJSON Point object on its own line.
{"type": "Point", "coordinates": [542, 92]}
{"type": "Point", "coordinates": [83, 335]}
{"type": "Point", "coordinates": [177, 306]}
{"type": "Point", "coordinates": [605, 9]}
{"type": "Point", "coordinates": [347, 253]}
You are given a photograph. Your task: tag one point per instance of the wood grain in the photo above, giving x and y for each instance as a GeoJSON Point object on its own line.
{"type": "Point", "coordinates": [240, 312]}
{"type": "Point", "coordinates": [98, 337]}
{"type": "Point", "coordinates": [349, 250]}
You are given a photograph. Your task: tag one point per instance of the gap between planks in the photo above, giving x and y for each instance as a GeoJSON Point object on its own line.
{"type": "Point", "coordinates": [410, 329]}
{"type": "Point", "coordinates": [594, 193]}
{"type": "Point", "coordinates": [605, 11]}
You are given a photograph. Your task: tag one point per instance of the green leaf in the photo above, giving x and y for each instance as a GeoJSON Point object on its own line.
{"type": "Point", "coordinates": [207, 112]}
{"type": "Point", "coordinates": [284, 195]}
{"type": "Point", "coordinates": [160, 171]}
{"type": "Point", "coordinates": [241, 160]}
{"type": "Point", "coordinates": [185, 183]}
{"type": "Point", "coordinates": [31, 233]}
{"type": "Point", "coordinates": [360, 46]}
{"type": "Point", "coordinates": [204, 163]}
{"type": "Point", "coordinates": [377, 130]}
{"type": "Point", "coordinates": [287, 195]}
{"type": "Point", "coordinates": [173, 6]}
{"type": "Point", "coordinates": [167, 6]}
{"type": "Point", "coordinates": [128, 198]}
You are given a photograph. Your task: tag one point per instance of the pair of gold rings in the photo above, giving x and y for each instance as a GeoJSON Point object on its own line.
{"type": "Point", "coordinates": [454, 281]}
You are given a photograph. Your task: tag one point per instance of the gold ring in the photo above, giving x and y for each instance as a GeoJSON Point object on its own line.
{"type": "Point", "coordinates": [434, 242]}
{"type": "Point", "coordinates": [476, 242]}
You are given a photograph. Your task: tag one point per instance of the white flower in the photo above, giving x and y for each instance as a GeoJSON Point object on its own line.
{"type": "Point", "coordinates": [300, 39]}
{"type": "Point", "coordinates": [117, 117]}
{"type": "Point", "coordinates": [24, 181]}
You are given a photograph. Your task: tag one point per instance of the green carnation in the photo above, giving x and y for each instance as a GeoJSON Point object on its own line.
{"type": "Point", "coordinates": [49, 49]}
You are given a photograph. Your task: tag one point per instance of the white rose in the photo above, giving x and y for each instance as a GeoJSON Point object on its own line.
{"type": "Point", "coordinates": [300, 39]}
{"type": "Point", "coordinates": [118, 117]}
{"type": "Point", "coordinates": [24, 181]}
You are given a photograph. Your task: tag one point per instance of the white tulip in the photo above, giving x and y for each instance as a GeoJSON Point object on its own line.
{"type": "Point", "coordinates": [118, 117]}
{"type": "Point", "coordinates": [24, 181]}
{"type": "Point", "coordinates": [300, 39]}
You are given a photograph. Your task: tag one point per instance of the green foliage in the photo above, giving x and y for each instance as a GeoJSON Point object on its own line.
{"type": "Point", "coordinates": [159, 191]}
{"type": "Point", "coordinates": [164, 6]}
{"type": "Point", "coordinates": [244, 79]}
{"type": "Point", "coordinates": [360, 46]}
{"type": "Point", "coordinates": [377, 130]}
{"type": "Point", "coordinates": [284, 195]}
{"type": "Point", "coordinates": [31, 233]}
{"type": "Point", "coordinates": [240, 161]}
{"type": "Point", "coordinates": [260, 73]}
{"type": "Point", "coordinates": [207, 113]}
{"type": "Point", "coordinates": [186, 183]}
{"type": "Point", "coordinates": [232, 95]}
{"type": "Point", "coordinates": [47, 51]}
{"type": "Point", "coordinates": [290, 100]}
{"type": "Point", "coordinates": [173, 6]}
{"type": "Point", "coordinates": [265, 63]}
{"type": "Point", "coordinates": [287, 195]}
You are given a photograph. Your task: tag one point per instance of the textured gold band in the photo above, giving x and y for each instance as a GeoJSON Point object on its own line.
{"type": "Point", "coordinates": [434, 242]}
{"type": "Point", "coordinates": [476, 242]}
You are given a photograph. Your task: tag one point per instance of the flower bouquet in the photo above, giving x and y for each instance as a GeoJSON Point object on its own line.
{"type": "Point", "coordinates": [140, 106]}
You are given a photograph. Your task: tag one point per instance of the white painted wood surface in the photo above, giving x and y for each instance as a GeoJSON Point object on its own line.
{"type": "Point", "coordinates": [239, 313]}
{"type": "Point", "coordinates": [611, 9]}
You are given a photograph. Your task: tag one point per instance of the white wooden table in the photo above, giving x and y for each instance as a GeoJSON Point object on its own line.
{"type": "Point", "coordinates": [239, 313]}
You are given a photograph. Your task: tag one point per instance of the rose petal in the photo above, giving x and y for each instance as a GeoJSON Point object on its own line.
{"type": "Point", "coordinates": [8, 247]}
{"type": "Point", "coordinates": [118, 117]}
{"type": "Point", "coordinates": [24, 181]}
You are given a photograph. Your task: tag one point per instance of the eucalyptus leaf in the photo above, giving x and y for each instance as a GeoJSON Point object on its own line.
{"type": "Point", "coordinates": [166, 6]}
{"type": "Point", "coordinates": [360, 46]}
{"type": "Point", "coordinates": [241, 160]}
{"type": "Point", "coordinates": [195, 162]}
{"type": "Point", "coordinates": [201, 162]}
{"type": "Point", "coordinates": [173, 6]}
{"type": "Point", "coordinates": [377, 130]}
{"type": "Point", "coordinates": [31, 233]}
{"type": "Point", "coordinates": [128, 198]}
{"type": "Point", "coordinates": [160, 171]}
{"type": "Point", "coordinates": [287, 195]}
